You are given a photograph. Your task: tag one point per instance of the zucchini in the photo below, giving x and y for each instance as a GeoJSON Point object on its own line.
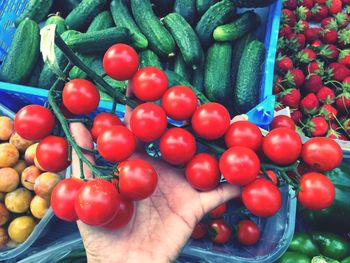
{"type": "Point", "coordinates": [187, 9]}
{"type": "Point", "coordinates": [217, 79]}
{"type": "Point", "coordinates": [160, 40]}
{"type": "Point", "coordinates": [247, 89]}
{"type": "Point", "coordinates": [57, 20]}
{"type": "Point", "coordinates": [162, 7]}
{"type": "Point", "coordinates": [186, 39]}
{"type": "Point", "coordinates": [215, 16]}
{"type": "Point", "coordinates": [198, 77]}
{"type": "Point", "coordinates": [245, 23]}
{"type": "Point", "coordinates": [182, 69]}
{"type": "Point", "coordinates": [149, 58]}
{"type": "Point", "coordinates": [81, 16]}
{"type": "Point", "coordinates": [36, 10]}
{"type": "Point", "coordinates": [123, 18]}
{"type": "Point", "coordinates": [203, 5]}
{"type": "Point", "coordinates": [99, 41]}
{"type": "Point", "coordinates": [252, 3]}
{"type": "Point", "coordinates": [23, 53]}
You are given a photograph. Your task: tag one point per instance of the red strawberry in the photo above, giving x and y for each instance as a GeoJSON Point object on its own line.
{"type": "Point", "coordinates": [344, 37]}
{"type": "Point", "coordinates": [284, 63]}
{"type": "Point", "coordinates": [285, 31]}
{"type": "Point", "coordinates": [288, 17]}
{"type": "Point", "coordinates": [317, 126]}
{"type": "Point", "coordinates": [316, 67]}
{"type": "Point", "coordinates": [333, 134]}
{"type": "Point", "coordinates": [316, 44]}
{"type": "Point", "coordinates": [334, 6]}
{"type": "Point", "coordinates": [320, 2]}
{"type": "Point", "coordinates": [312, 34]}
{"type": "Point", "coordinates": [309, 104]}
{"type": "Point", "coordinates": [326, 95]}
{"type": "Point", "coordinates": [313, 83]}
{"type": "Point", "coordinates": [294, 78]}
{"type": "Point", "coordinates": [343, 102]}
{"type": "Point", "coordinates": [329, 36]}
{"type": "Point", "coordinates": [290, 97]}
{"type": "Point", "coordinates": [329, 22]}
{"type": "Point", "coordinates": [319, 12]}
{"type": "Point", "coordinates": [338, 71]}
{"type": "Point", "coordinates": [306, 56]}
{"type": "Point", "coordinates": [300, 26]}
{"type": "Point", "coordinates": [344, 57]}
{"type": "Point", "coordinates": [328, 112]}
{"type": "Point", "coordinates": [277, 87]}
{"type": "Point", "coordinates": [296, 42]}
{"type": "Point", "coordinates": [346, 83]}
{"type": "Point", "coordinates": [296, 116]}
{"type": "Point", "coordinates": [346, 126]}
{"type": "Point", "coordinates": [290, 4]}
{"type": "Point", "coordinates": [306, 3]}
{"type": "Point", "coordinates": [303, 13]}
{"type": "Point", "coordinates": [342, 20]}
{"type": "Point", "coordinates": [329, 52]}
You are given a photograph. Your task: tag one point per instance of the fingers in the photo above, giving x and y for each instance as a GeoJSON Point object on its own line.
{"type": "Point", "coordinates": [83, 138]}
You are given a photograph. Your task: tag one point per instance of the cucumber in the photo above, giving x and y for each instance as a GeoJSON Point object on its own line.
{"type": "Point", "coordinates": [57, 20]}
{"type": "Point", "coordinates": [198, 77]}
{"type": "Point", "coordinates": [123, 18]}
{"type": "Point", "coordinates": [247, 89]}
{"type": "Point", "coordinates": [160, 40]}
{"type": "Point", "coordinates": [186, 39]}
{"type": "Point", "coordinates": [253, 3]}
{"type": "Point", "coordinates": [36, 10]}
{"type": "Point", "coordinates": [149, 58]}
{"type": "Point", "coordinates": [99, 41]}
{"type": "Point", "coordinates": [215, 16]}
{"type": "Point", "coordinates": [187, 9]}
{"type": "Point", "coordinates": [162, 7]}
{"type": "Point", "coordinates": [217, 79]}
{"type": "Point", "coordinates": [245, 23]}
{"type": "Point", "coordinates": [203, 5]}
{"type": "Point", "coordinates": [23, 53]}
{"type": "Point", "coordinates": [81, 16]}
{"type": "Point", "coordinates": [182, 69]}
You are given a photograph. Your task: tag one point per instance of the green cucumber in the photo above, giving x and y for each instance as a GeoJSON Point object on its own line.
{"type": "Point", "coordinates": [99, 41]}
{"type": "Point", "coordinates": [245, 23]}
{"type": "Point", "coordinates": [215, 16]}
{"type": "Point", "coordinates": [81, 16]}
{"type": "Point", "coordinates": [203, 5]}
{"type": "Point", "coordinates": [198, 77]}
{"type": "Point", "coordinates": [57, 20]}
{"type": "Point", "coordinates": [160, 40]}
{"type": "Point", "coordinates": [247, 88]}
{"type": "Point", "coordinates": [123, 18]}
{"type": "Point", "coordinates": [187, 9]}
{"type": "Point", "coordinates": [253, 3]}
{"type": "Point", "coordinates": [186, 39]}
{"type": "Point", "coordinates": [36, 10]}
{"type": "Point", "coordinates": [182, 69]}
{"type": "Point", "coordinates": [217, 79]}
{"type": "Point", "coordinates": [23, 53]}
{"type": "Point", "coordinates": [149, 58]}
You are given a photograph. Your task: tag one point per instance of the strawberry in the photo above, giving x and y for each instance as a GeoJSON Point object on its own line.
{"type": "Point", "coordinates": [333, 134]}
{"type": "Point", "coordinates": [290, 4]}
{"type": "Point", "coordinates": [300, 26]}
{"type": "Point", "coordinates": [326, 95]}
{"type": "Point", "coordinates": [346, 126]}
{"type": "Point", "coordinates": [343, 101]}
{"type": "Point", "coordinates": [313, 83]}
{"type": "Point", "coordinates": [346, 83]}
{"type": "Point", "coordinates": [317, 126]}
{"type": "Point", "coordinates": [288, 17]}
{"type": "Point", "coordinates": [344, 57]}
{"type": "Point", "coordinates": [328, 112]}
{"type": "Point", "coordinates": [329, 22]}
{"type": "Point", "coordinates": [312, 34]}
{"type": "Point", "coordinates": [316, 67]}
{"type": "Point", "coordinates": [338, 71]}
{"type": "Point", "coordinates": [296, 115]}
{"type": "Point", "coordinates": [316, 44]}
{"type": "Point", "coordinates": [342, 20]}
{"type": "Point", "coordinates": [306, 56]}
{"type": "Point", "coordinates": [303, 13]}
{"type": "Point", "coordinates": [306, 3]}
{"type": "Point", "coordinates": [320, 2]}
{"type": "Point", "coordinates": [335, 126]}
{"type": "Point", "coordinates": [319, 12]}
{"type": "Point", "coordinates": [290, 97]}
{"type": "Point", "coordinates": [309, 104]}
{"type": "Point", "coordinates": [284, 63]}
{"type": "Point", "coordinates": [294, 78]}
{"type": "Point", "coordinates": [296, 42]}
{"type": "Point", "coordinates": [329, 36]}
{"type": "Point", "coordinates": [334, 6]}
{"type": "Point", "coordinates": [329, 52]}
{"type": "Point", "coordinates": [344, 37]}
{"type": "Point", "coordinates": [285, 31]}
{"type": "Point", "coordinates": [277, 87]}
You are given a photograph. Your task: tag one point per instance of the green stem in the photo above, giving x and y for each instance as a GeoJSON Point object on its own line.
{"type": "Point", "coordinates": [268, 166]}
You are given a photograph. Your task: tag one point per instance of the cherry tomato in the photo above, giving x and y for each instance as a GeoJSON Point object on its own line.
{"type": "Point", "coordinates": [282, 146]}
{"type": "Point", "coordinates": [322, 154]}
{"type": "Point", "coordinates": [34, 122]}
{"type": "Point", "coordinates": [282, 121]}
{"type": "Point", "coordinates": [120, 62]}
{"type": "Point", "coordinates": [202, 172]}
{"type": "Point", "coordinates": [219, 211]}
{"type": "Point", "coordinates": [199, 231]}
{"type": "Point", "coordinates": [52, 154]}
{"type": "Point", "coordinates": [123, 216]}
{"type": "Point", "coordinates": [63, 198]}
{"type": "Point", "coordinates": [137, 179]}
{"type": "Point", "coordinates": [102, 122]}
{"type": "Point", "coordinates": [222, 231]}
{"type": "Point", "coordinates": [179, 102]}
{"type": "Point", "coordinates": [177, 146]}
{"type": "Point", "coordinates": [316, 191]}
{"type": "Point", "coordinates": [262, 197]}
{"type": "Point", "coordinates": [248, 233]}
{"type": "Point", "coordinates": [116, 144]}
{"type": "Point", "coordinates": [97, 202]}
{"type": "Point", "coordinates": [148, 122]}
{"type": "Point", "coordinates": [149, 83]}
{"type": "Point", "coordinates": [211, 121]}
{"type": "Point", "coordinates": [244, 133]}
{"type": "Point", "coordinates": [239, 165]}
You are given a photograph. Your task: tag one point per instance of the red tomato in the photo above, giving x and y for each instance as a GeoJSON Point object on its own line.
{"type": "Point", "coordinates": [199, 231]}
{"type": "Point", "coordinates": [116, 144]}
{"type": "Point", "coordinates": [102, 122]}
{"type": "Point", "coordinates": [177, 146]}
{"type": "Point", "coordinates": [121, 62]}
{"type": "Point", "coordinates": [282, 121]}
{"type": "Point", "coordinates": [262, 197]}
{"type": "Point", "coordinates": [148, 122]}
{"type": "Point", "coordinates": [219, 211]}
{"type": "Point", "coordinates": [149, 83]}
{"type": "Point", "coordinates": [282, 146]}
{"type": "Point", "coordinates": [63, 198]}
{"type": "Point", "coordinates": [179, 102]}
{"type": "Point", "coordinates": [80, 96]}
{"type": "Point", "coordinates": [52, 154]}
{"type": "Point", "coordinates": [248, 232]}
{"type": "Point", "coordinates": [122, 218]}
{"type": "Point", "coordinates": [211, 121]}
{"type": "Point", "coordinates": [239, 165]}
{"type": "Point", "coordinates": [137, 179]}
{"type": "Point", "coordinates": [97, 202]}
{"type": "Point", "coordinates": [222, 231]}
{"type": "Point", "coordinates": [322, 154]}
{"type": "Point", "coordinates": [34, 122]}
{"type": "Point", "coordinates": [202, 172]}
{"type": "Point", "coordinates": [316, 191]}
{"type": "Point", "coordinates": [244, 133]}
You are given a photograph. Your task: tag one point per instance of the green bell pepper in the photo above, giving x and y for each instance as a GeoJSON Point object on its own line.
{"type": "Point", "coordinates": [331, 245]}
{"type": "Point", "coordinates": [303, 243]}
{"type": "Point", "coordinates": [322, 259]}
{"type": "Point", "coordinates": [294, 257]}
